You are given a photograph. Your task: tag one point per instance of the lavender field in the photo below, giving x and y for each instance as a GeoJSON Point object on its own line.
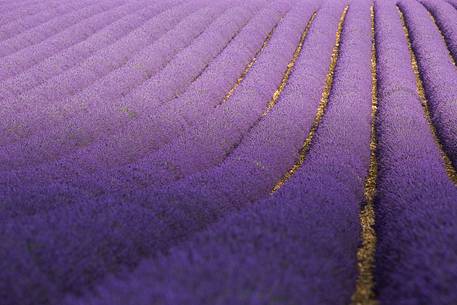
{"type": "Point", "coordinates": [228, 152]}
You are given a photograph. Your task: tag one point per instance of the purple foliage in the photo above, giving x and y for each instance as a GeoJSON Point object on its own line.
{"type": "Point", "coordinates": [66, 59]}
{"type": "Point", "coordinates": [246, 252]}
{"type": "Point", "coordinates": [438, 73]}
{"type": "Point", "coordinates": [21, 51]}
{"type": "Point", "coordinates": [445, 17]}
{"type": "Point", "coordinates": [415, 210]}
{"type": "Point", "coordinates": [138, 43]}
{"type": "Point", "coordinates": [154, 87]}
{"type": "Point", "coordinates": [227, 152]}
{"type": "Point", "coordinates": [16, 27]}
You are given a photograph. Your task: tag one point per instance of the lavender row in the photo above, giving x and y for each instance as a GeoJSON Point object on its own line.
{"type": "Point", "coordinates": [444, 15]}
{"type": "Point", "coordinates": [255, 165]}
{"type": "Point", "coordinates": [57, 251]}
{"type": "Point", "coordinates": [453, 3]}
{"type": "Point", "coordinates": [207, 45]}
{"type": "Point", "coordinates": [21, 4]}
{"type": "Point", "coordinates": [163, 232]}
{"type": "Point", "coordinates": [231, 119]}
{"type": "Point", "coordinates": [21, 199]}
{"type": "Point", "coordinates": [12, 49]}
{"type": "Point", "coordinates": [20, 179]}
{"type": "Point", "coordinates": [180, 215]}
{"type": "Point", "coordinates": [112, 62]}
{"type": "Point", "coordinates": [438, 73]}
{"type": "Point", "coordinates": [243, 46]}
{"type": "Point", "coordinates": [247, 251]}
{"type": "Point", "coordinates": [289, 26]}
{"type": "Point", "coordinates": [52, 11]}
{"type": "Point", "coordinates": [10, 15]}
{"type": "Point", "coordinates": [96, 18]}
{"type": "Point", "coordinates": [44, 257]}
{"type": "Point", "coordinates": [263, 22]}
{"type": "Point", "coordinates": [157, 128]}
{"type": "Point", "coordinates": [107, 38]}
{"type": "Point", "coordinates": [10, 6]}
{"type": "Point", "coordinates": [415, 207]}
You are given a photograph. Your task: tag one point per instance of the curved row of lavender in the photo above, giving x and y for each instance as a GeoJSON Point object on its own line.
{"type": "Point", "coordinates": [416, 259]}
{"type": "Point", "coordinates": [438, 70]}
{"type": "Point", "coordinates": [140, 143]}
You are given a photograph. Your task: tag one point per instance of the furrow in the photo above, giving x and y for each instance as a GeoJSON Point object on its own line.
{"type": "Point", "coordinates": [444, 16]}
{"type": "Point", "coordinates": [99, 42]}
{"type": "Point", "coordinates": [200, 100]}
{"type": "Point", "coordinates": [364, 293]}
{"type": "Point", "coordinates": [415, 199]}
{"type": "Point", "coordinates": [228, 152]}
{"type": "Point", "coordinates": [445, 40]}
{"type": "Point", "coordinates": [156, 90]}
{"type": "Point", "coordinates": [450, 169]}
{"type": "Point", "coordinates": [11, 49]}
{"type": "Point", "coordinates": [248, 66]}
{"type": "Point", "coordinates": [210, 149]}
{"type": "Point", "coordinates": [317, 225]}
{"type": "Point", "coordinates": [19, 12]}
{"type": "Point", "coordinates": [92, 79]}
{"type": "Point", "coordinates": [289, 69]}
{"type": "Point", "coordinates": [50, 13]}
{"type": "Point", "coordinates": [320, 110]}
{"type": "Point", "coordinates": [53, 170]}
{"type": "Point", "coordinates": [284, 82]}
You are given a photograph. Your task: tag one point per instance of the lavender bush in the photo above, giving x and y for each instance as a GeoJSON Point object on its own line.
{"type": "Point", "coordinates": [416, 199]}
{"type": "Point", "coordinates": [66, 59]}
{"type": "Point", "coordinates": [437, 72]}
{"type": "Point", "coordinates": [228, 152]}
{"type": "Point", "coordinates": [55, 142]}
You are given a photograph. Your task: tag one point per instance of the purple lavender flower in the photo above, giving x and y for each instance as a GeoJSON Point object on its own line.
{"type": "Point", "coordinates": [228, 152]}
{"type": "Point", "coordinates": [415, 206]}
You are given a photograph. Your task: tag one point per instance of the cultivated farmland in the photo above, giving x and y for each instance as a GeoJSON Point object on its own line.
{"type": "Point", "coordinates": [228, 152]}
